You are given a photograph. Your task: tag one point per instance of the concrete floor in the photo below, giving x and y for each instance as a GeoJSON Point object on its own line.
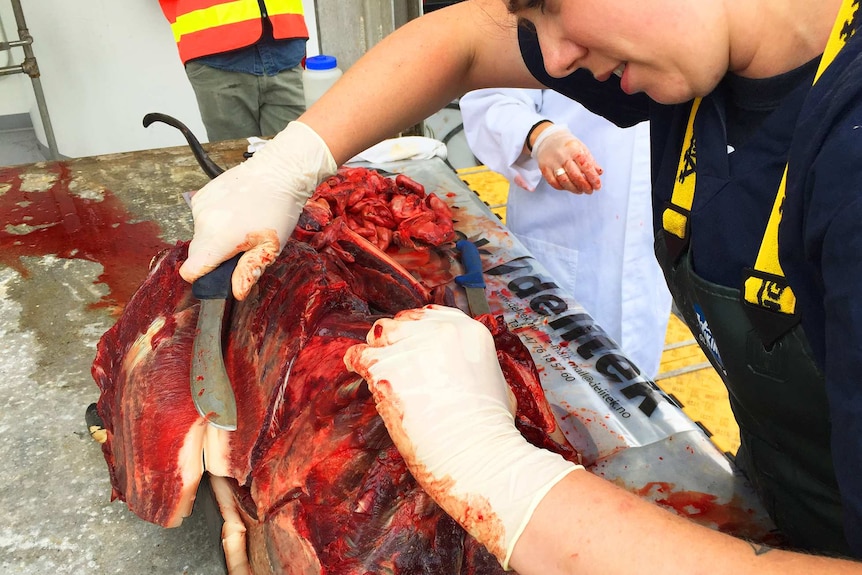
{"type": "Point", "coordinates": [19, 147]}
{"type": "Point", "coordinates": [56, 514]}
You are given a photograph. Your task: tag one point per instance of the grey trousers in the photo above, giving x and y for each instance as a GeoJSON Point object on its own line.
{"type": "Point", "coordinates": [238, 105]}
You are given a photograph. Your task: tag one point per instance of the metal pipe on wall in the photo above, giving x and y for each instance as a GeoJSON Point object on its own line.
{"type": "Point", "coordinates": [30, 67]}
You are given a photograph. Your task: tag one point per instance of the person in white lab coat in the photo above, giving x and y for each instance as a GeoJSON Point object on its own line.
{"type": "Point", "coordinates": [598, 247]}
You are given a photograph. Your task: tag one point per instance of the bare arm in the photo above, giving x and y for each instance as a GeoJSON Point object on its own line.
{"type": "Point", "coordinates": [411, 74]}
{"type": "Point", "coordinates": [434, 376]}
{"type": "Point", "coordinates": [587, 525]}
{"type": "Point", "coordinates": [416, 71]}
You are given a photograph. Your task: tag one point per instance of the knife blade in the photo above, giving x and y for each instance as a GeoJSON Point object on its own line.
{"type": "Point", "coordinates": [472, 280]}
{"type": "Point", "coordinates": [211, 389]}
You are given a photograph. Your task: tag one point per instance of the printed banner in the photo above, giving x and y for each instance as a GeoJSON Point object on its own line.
{"type": "Point", "coordinates": [625, 427]}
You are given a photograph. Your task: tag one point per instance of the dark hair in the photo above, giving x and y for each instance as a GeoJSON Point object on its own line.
{"type": "Point", "coordinates": [516, 5]}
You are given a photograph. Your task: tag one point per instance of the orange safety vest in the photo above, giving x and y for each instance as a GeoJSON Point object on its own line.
{"type": "Point", "coordinates": [205, 27]}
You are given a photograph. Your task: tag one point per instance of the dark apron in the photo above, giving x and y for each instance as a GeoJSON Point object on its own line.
{"type": "Point", "coordinates": [778, 397]}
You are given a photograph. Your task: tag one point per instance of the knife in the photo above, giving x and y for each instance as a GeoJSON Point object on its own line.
{"type": "Point", "coordinates": [211, 389]}
{"type": "Point", "coordinates": [472, 281]}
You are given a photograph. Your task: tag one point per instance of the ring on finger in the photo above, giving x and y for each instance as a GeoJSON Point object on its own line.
{"type": "Point", "coordinates": [560, 172]}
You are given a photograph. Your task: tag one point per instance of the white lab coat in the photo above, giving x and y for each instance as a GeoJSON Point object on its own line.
{"type": "Point", "coordinates": [599, 247]}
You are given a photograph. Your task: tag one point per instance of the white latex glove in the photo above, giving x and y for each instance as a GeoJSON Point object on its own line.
{"type": "Point", "coordinates": [253, 207]}
{"type": "Point", "coordinates": [438, 386]}
{"type": "Point", "coordinates": [556, 149]}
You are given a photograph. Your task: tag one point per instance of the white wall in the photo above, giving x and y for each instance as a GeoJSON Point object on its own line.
{"type": "Point", "coordinates": [15, 90]}
{"type": "Point", "coordinates": [104, 65]}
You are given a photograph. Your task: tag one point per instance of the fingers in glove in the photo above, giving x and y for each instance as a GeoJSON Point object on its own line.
{"type": "Point", "coordinates": [261, 249]}
{"type": "Point", "coordinates": [359, 359]}
{"type": "Point", "coordinates": [411, 322]}
{"type": "Point", "coordinates": [354, 360]}
{"type": "Point", "coordinates": [589, 171]}
{"type": "Point", "coordinates": [570, 177]}
{"type": "Point", "coordinates": [585, 173]}
{"type": "Point", "coordinates": [566, 163]}
{"type": "Point", "coordinates": [562, 179]}
{"type": "Point", "coordinates": [387, 331]}
{"type": "Point", "coordinates": [204, 256]}
{"type": "Point", "coordinates": [197, 265]}
{"type": "Point", "coordinates": [574, 180]}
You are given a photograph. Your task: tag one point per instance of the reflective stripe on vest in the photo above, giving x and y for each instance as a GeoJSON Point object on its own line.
{"type": "Point", "coordinates": [204, 27]}
{"type": "Point", "coordinates": [765, 285]}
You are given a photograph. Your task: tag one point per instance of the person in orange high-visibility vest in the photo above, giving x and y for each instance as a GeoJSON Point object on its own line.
{"type": "Point", "coordinates": [244, 60]}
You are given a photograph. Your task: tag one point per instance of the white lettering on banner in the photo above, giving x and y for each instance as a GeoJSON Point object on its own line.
{"type": "Point", "coordinates": [706, 338]}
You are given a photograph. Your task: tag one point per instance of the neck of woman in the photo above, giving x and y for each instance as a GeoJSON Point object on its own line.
{"type": "Point", "coordinates": [770, 37]}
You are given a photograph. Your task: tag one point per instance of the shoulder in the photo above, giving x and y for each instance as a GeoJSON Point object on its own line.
{"type": "Point", "coordinates": [827, 147]}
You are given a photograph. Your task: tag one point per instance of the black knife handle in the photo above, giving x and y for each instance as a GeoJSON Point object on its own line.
{"type": "Point", "coordinates": [216, 284]}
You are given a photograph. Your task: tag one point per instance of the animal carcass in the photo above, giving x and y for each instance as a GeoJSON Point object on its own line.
{"type": "Point", "coordinates": [310, 481]}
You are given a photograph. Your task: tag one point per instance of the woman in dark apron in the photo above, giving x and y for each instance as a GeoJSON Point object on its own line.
{"type": "Point", "coordinates": [756, 177]}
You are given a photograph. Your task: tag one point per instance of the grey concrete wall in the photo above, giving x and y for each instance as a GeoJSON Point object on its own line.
{"type": "Point", "coordinates": [348, 28]}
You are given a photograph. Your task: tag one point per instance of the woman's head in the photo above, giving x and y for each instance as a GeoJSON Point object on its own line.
{"type": "Point", "coordinates": [671, 49]}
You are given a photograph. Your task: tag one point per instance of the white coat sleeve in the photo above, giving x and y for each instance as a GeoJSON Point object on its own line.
{"type": "Point", "coordinates": [496, 122]}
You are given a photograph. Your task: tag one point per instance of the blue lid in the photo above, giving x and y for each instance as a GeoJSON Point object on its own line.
{"type": "Point", "coordinates": [322, 62]}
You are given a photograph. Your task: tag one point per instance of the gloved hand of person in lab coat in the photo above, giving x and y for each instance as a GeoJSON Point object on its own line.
{"type": "Point", "coordinates": [253, 207]}
{"type": "Point", "coordinates": [566, 163]}
{"type": "Point", "coordinates": [434, 375]}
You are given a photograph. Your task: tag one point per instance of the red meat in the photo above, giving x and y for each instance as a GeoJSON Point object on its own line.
{"type": "Point", "coordinates": [310, 481]}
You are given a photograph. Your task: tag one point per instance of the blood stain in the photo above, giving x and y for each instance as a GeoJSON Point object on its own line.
{"type": "Point", "coordinates": [54, 221]}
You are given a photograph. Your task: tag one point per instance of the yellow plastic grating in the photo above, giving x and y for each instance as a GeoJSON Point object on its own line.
{"type": "Point", "coordinates": [491, 187]}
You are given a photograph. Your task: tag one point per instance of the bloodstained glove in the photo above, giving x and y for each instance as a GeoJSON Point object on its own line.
{"type": "Point", "coordinates": [566, 163]}
{"type": "Point", "coordinates": [254, 207]}
{"type": "Point", "coordinates": [434, 375]}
